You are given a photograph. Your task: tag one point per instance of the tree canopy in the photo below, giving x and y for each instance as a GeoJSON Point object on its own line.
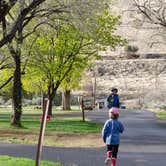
{"type": "Point", "coordinates": [84, 31]}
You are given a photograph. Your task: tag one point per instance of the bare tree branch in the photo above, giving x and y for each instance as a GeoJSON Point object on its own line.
{"type": "Point", "coordinates": [20, 19]}
{"type": "Point", "coordinates": [5, 7]}
{"type": "Point", "coordinates": [28, 55]}
{"type": "Point", "coordinates": [4, 84]}
{"type": "Point", "coordinates": [154, 11]}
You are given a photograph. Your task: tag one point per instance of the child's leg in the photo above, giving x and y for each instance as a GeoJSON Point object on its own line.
{"type": "Point", "coordinates": [109, 151]}
{"type": "Point", "coordinates": [109, 154]}
{"type": "Point", "coordinates": [114, 154]}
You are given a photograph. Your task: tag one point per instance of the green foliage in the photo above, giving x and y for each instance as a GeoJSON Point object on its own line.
{"type": "Point", "coordinates": [53, 55]}
{"type": "Point", "coordinates": [105, 35]}
{"type": "Point", "coordinates": [6, 70]}
{"type": "Point", "coordinates": [76, 74]}
{"type": "Point", "coordinates": [62, 55]}
{"type": "Point", "coordinates": [10, 161]}
{"type": "Point", "coordinates": [55, 52]}
{"type": "Point", "coordinates": [5, 92]}
{"type": "Point", "coordinates": [101, 38]}
{"type": "Point", "coordinates": [33, 81]}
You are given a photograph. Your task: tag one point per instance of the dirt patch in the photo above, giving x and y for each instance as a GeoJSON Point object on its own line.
{"type": "Point", "coordinates": [89, 140]}
{"type": "Point", "coordinates": [56, 139]}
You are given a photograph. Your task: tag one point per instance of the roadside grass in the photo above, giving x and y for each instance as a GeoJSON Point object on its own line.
{"type": "Point", "coordinates": [161, 115]}
{"type": "Point", "coordinates": [61, 125]}
{"type": "Point", "coordinates": [10, 161]}
{"type": "Point", "coordinates": [63, 129]}
{"type": "Point", "coordinates": [34, 110]}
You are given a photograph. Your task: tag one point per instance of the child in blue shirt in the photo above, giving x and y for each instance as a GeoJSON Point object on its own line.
{"type": "Point", "coordinates": [113, 99]}
{"type": "Point", "coordinates": [111, 135]}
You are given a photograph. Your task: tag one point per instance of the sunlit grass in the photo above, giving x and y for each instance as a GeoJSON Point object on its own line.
{"type": "Point", "coordinates": [60, 126]}
{"type": "Point", "coordinates": [31, 110]}
{"type": "Point", "coordinates": [63, 125]}
{"type": "Point", "coordinates": [11, 161]}
{"type": "Point", "coordinates": [161, 115]}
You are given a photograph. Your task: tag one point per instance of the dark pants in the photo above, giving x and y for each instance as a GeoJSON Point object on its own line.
{"type": "Point", "coordinates": [113, 149]}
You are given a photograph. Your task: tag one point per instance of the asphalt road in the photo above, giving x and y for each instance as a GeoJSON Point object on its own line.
{"type": "Point", "coordinates": [142, 144]}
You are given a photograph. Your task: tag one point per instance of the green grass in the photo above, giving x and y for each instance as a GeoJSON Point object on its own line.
{"type": "Point", "coordinates": [32, 110]}
{"type": "Point", "coordinates": [10, 161]}
{"type": "Point", "coordinates": [161, 115]}
{"type": "Point", "coordinates": [73, 125]}
{"type": "Point", "coordinates": [61, 125]}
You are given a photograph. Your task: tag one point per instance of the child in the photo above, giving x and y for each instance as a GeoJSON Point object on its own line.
{"type": "Point", "coordinates": [113, 99]}
{"type": "Point", "coordinates": [110, 134]}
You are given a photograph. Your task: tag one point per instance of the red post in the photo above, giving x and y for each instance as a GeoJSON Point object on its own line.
{"type": "Point", "coordinates": [41, 135]}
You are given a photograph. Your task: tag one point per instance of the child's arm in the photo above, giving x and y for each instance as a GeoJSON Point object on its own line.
{"type": "Point", "coordinates": [104, 131]}
{"type": "Point", "coordinates": [121, 127]}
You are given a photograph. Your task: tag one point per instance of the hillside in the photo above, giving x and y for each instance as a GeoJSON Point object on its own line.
{"type": "Point", "coordinates": [138, 79]}
{"type": "Point", "coordinates": [138, 32]}
{"type": "Point", "coordinates": [142, 77]}
{"type": "Point", "coordinates": [131, 74]}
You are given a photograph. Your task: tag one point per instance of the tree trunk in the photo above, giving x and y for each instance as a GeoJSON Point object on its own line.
{"type": "Point", "coordinates": [66, 100]}
{"type": "Point", "coordinates": [51, 93]}
{"type": "Point", "coordinates": [50, 105]}
{"type": "Point", "coordinates": [16, 94]}
{"type": "Point", "coordinates": [17, 86]}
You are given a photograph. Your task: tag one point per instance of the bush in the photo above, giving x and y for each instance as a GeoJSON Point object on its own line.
{"type": "Point", "coordinates": [131, 49]}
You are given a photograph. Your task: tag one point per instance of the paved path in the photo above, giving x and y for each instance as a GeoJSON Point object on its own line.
{"type": "Point", "coordinates": [143, 144]}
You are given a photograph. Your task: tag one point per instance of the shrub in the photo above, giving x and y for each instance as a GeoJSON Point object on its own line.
{"type": "Point", "coordinates": [131, 49]}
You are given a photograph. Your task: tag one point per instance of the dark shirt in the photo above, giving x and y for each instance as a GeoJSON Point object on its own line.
{"type": "Point", "coordinates": [113, 101]}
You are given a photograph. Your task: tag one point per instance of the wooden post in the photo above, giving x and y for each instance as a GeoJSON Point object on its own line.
{"type": "Point", "coordinates": [42, 130]}
{"type": "Point", "coordinates": [94, 92]}
{"type": "Point", "coordinates": [82, 107]}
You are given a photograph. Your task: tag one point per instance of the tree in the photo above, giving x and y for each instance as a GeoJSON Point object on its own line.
{"type": "Point", "coordinates": [154, 13]}
{"type": "Point", "coordinates": [15, 52]}
{"type": "Point", "coordinates": [5, 7]}
{"type": "Point", "coordinates": [55, 54]}
{"type": "Point", "coordinates": [53, 57]}
{"type": "Point", "coordinates": [14, 36]}
{"type": "Point", "coordinates": [6, 66]}
{"type": "Point", "coordinates": [22, 19]}
{"type": "Point", "coordinates": [15, 30]}
{"type": "Point", "coordinates": [76, 11]}
{"type": "Point", "coordinates": [73, 81]}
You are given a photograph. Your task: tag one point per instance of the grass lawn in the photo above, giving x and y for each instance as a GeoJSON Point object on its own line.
{"type": "Point", "coordinates": [64, 129]}
{"type": "Point", "coordinates": [161, 115]}
{"type": "Point", "coordinates": [10, 161]}
{"type": "Point", "coordinates": [32, 110]}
